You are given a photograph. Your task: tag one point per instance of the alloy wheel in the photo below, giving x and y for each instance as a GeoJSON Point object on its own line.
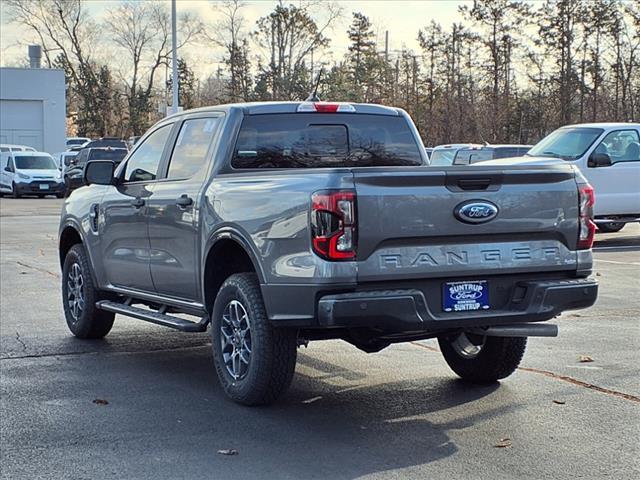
{"type": "Point", "coordinates": [235, 338]}
{"type": "Point", "coordinates": [75, 291]}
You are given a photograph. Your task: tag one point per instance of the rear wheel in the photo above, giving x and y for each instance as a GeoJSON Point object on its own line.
{"type": "Point", "coordinates": [481, 359]}
{"type": "Point", "coordinates": [254, 361]}
{"type": "Point", "coordinates": [610, 227]}
{"type": "Point", "coordinates": [79, 297]}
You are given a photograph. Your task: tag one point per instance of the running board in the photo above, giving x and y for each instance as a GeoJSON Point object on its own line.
{"type": "Point", "coordinates": [154, 317]}
{"type": "Point", "coordinates": [519, 330]}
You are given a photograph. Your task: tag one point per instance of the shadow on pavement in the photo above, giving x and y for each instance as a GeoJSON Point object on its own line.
{"type": "Point", "coordinates": [318, 429]}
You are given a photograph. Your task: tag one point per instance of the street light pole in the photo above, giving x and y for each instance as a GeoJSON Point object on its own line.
{"type": "Point", "coordinates": [174, 58]}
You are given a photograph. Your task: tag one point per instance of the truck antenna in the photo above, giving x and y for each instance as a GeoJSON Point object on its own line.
{"type": "Point", "coordinates": [314, 95]}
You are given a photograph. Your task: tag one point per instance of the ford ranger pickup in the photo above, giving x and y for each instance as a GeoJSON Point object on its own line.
{"type": "Point", "coordinates": [275, 224]}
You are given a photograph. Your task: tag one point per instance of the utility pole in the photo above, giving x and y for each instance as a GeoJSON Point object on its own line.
{"type": "Point", "coordinates": [386, 46]}
{"type": "Point", "coordinates": [174, 58]}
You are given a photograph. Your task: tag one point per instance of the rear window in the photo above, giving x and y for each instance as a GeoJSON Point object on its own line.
{"type": "Point", "coordinates": [465, 157]}
{"type": "Point", "coordinates": [442, 158]}
{"type": "Point", "coordinates": [318, 140]}
{"type": "Point", "coordinates": [115, 155]}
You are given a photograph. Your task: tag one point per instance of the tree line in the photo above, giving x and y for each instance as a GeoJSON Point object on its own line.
{"type": "Point", "coordinates": [507, 72]}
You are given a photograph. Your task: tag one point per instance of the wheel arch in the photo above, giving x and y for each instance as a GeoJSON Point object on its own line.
{"type": "Point", "coordinates": [69, 236]}
{"type": "Point", "coordinates": [227, 252]}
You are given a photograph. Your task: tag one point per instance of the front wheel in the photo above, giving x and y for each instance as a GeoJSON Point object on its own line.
{"type": "Point", "coordinates": [610, 227]}
{"type": "Point", "coordinates": [14, 191]}
{"type": "Point", "coordinates": [481, 359]}
{"type": "Point", "coordinates": [79, 297]}
{"type": "Point", "coordinates": [254, 360]}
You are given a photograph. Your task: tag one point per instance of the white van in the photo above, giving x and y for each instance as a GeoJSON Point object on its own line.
{"type": "Point", "coordinates": [30, 173]}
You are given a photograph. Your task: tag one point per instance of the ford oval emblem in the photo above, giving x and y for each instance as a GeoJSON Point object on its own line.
{"type": "Point", "coordinates": [476, 211]}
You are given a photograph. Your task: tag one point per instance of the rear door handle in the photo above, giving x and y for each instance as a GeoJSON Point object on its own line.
{"type": "Point", "coordinates": [184, 201]}
{"type": "Point", "coordinates": [137, 203]}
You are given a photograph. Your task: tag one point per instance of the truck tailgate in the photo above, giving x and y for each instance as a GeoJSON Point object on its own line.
{"type": "Point", "coordinates": [408, 227]}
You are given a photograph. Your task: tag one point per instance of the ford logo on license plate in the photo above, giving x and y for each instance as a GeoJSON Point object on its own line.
{"type": "Point", "coordinates": [476, 211]}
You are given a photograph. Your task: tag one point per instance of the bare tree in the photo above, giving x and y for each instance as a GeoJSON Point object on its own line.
{"type": "Point", "coordinates": [286, 37]}
{"type": "Point", "coordinates": [142, 30]}
{"type": "Point", "coordinates": [229, 33]}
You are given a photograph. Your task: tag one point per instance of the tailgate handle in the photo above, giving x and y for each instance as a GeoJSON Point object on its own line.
{"type": "Point", "coordinates": [474, 183]}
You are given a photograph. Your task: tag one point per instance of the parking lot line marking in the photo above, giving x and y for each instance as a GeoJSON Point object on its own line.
{"type": "Point", "coordinates": [428, 347]}
{"type": "Point", "coordinates": [617, 263]}
{"type": "Point", "coordinates": [580, 383]}
{"type": "Point", "coordinates": [626, 247]}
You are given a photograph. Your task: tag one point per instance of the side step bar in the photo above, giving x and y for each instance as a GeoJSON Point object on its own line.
{"type": "Point", "coordinates": [524, 330]}
{"type": "Point", "coordinates": [154, 317]}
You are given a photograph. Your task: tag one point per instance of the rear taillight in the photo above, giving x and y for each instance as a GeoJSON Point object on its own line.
{"type": "Point", "coordinates": [333, 224]}
{"type": "Point", "coordinates": [587, 226]}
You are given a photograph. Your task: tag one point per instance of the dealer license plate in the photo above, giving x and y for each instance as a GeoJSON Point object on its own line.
{"type": "Point", "coordinates": [465, 296]}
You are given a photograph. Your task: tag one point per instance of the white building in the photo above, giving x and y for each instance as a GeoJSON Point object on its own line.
{"type": "Point", "coordinates": [32, 108]}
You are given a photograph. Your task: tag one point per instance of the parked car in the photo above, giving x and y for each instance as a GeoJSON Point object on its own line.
{"type": "Point", "coordinates": [278, 223]}
{"type": "Point", "coordinates": [443, 155]}
{"type": "Point", "coordinates": [469, 155]}
{"type": "Point", "coordinates": [15, 148]}
{"type": "Point", "coordinates": [63, 159]}
{"type": "Point", "coordinates": [73, 174]}
{"type": "Point", "coordinates": [608, 155]}
{"type": "Point", "coordinates": [77, 141]}
{"type": "Point", "coordinates": [30, 173]}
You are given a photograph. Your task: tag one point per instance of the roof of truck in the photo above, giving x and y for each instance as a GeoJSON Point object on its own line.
{"type": "Point", "coordinates": [257, 108]}
{"type": "Point", "coordinates": [604, 125]}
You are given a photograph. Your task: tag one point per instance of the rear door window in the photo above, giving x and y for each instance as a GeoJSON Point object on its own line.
{"type": "Point", "coordinates": [324, 140]}
{"type": "Point", "coordinates": [192, 144]}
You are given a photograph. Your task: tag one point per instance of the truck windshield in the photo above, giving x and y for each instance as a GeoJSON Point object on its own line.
{"type": "Point", "coordinates": [319, 140]}
{"type": "Point", "coordinates": [566, 143]}
{"type": "Point", "coordinates": [24, 162]}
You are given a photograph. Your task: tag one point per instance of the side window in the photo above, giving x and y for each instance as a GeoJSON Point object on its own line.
{"type": "Point", "coordinates": [143, 164]}
{"type": "Point", "coordinates": [621, 146]}
{"type": "Point", "coordinates": [190, 151]}
{"type": "Point", "coordinates": [82, 157]}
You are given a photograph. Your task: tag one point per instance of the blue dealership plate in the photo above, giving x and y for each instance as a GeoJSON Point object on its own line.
{"type": "Point", "coordinates": [465, 296]}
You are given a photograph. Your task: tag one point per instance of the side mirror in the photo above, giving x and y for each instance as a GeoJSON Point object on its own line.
{"type": "Point", "coordinates": [599, 160]}
{"type": "Point", "coordinates": [99, 172]}
{"type": "Point", "coordinates": [68, 161]}
{"type": "Point", "coordinates": [8, 169]}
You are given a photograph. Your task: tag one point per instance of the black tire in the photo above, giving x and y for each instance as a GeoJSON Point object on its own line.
{"type": "Point", "coordinates": [272, 355]}
{"type": "Point", "coordinates": [610, 227]}
{"type": "Point", "coordinates": [497, 359]}
{"type": "Point", "coordinates": [86, 321]}
{"type": "Point", "coordinates": [14, 191]}
{"type": "Point", "coordinates": [59, 195]}
{"type": "Point", "coordinates": [67, 187]}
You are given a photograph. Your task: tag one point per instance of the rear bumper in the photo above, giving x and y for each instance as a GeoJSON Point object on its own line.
{"type": "Point", "coordinates": [408, 310]}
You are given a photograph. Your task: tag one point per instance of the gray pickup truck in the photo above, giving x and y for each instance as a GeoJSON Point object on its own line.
{"type": "Point", "coordinates": [280, 223]}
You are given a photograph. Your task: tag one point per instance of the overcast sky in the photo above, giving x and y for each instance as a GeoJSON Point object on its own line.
{"type": "Point", "coordinates": [401, 18]}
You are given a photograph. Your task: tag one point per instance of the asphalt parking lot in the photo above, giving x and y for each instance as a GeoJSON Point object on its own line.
{"type": "Point", "coordinates": [400, 413]}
